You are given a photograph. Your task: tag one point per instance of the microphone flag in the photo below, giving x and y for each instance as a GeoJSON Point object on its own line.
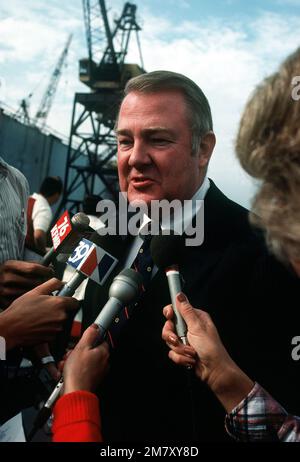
{"type": "Point", "coordinates": [93, 261]}
{"type": "Point", "coordinates": [61, 230]}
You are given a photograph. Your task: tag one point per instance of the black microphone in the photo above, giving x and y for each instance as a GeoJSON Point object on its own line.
{"type": "Point", "coordinates": [167, 253]}
{"type": "Point", "coordinates": [66, 241]}
{"type": "Point", "coordinates": [125, 289]}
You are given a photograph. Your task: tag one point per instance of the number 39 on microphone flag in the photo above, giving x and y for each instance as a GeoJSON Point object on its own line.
{"type": "Point", "coordinates": [91, 260]}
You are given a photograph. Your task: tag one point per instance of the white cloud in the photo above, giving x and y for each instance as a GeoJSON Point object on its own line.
{"type": "Point", "coordinates": [36, 36]}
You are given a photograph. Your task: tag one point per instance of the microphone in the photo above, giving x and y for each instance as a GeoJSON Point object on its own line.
{"type": "Point", "coordinates": [125, 289]}
{"type": "Point", "coordinates": [167, 251]}
{"type": "Point", "coordinates": [66, 233]}
{"type": "Point", "coordinates": [90, 261]}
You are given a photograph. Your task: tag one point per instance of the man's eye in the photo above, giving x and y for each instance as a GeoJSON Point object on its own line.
{"type": "Point", "coordinates": [160, 141]}
{"type": "Point", "coordinates": [125, 142]}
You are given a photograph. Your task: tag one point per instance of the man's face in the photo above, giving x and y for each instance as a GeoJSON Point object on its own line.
{"type": "Point", "coordinates": [154, 148]}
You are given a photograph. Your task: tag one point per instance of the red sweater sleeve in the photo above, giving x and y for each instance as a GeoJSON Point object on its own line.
{"type": "Point", "coordinates": [77, 418]}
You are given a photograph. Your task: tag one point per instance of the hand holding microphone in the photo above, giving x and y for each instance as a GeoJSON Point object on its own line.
{"type": "Point", "coordinates": [36, 316]}
{"type": "Point", "coordinates": [166, 251]}
{"type": "Point", "coordinates": [19, 277]}
{"type": "Point", "coordinates": [125, 288]}
{"type": "Point", "coordinates": [90, 262]}
{"type": "Point", "coordinates": [65, 235]}
{"type": "Point", "coordinates": [87, 364]}
{"type": "Point", "coordinates": [85, 367]}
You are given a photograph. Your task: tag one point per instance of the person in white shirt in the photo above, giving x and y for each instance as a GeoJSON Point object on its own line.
{"type": "Point", "coordinates": [39, 213]}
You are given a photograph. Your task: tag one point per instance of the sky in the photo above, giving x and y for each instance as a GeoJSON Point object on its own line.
{"type": "Point", "coordinates": [226, 46]}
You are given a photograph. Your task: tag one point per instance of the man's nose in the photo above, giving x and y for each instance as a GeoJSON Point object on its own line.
{"type": "Point", "coordinates": [139, 154]}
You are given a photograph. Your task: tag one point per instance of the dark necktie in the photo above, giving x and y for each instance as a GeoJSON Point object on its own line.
{"type": "Point", "coordinates": [143, 264]}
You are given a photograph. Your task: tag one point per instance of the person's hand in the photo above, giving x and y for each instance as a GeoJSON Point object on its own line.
{"type": "Point", "coordinates": [53, 371]}
{"type": "Point", "coordinates": [36, 317]}
{"type": "Point", "coordinates": [86, 366]}
{"type": "Point", "coordinates": [18, 277]}
{"type": "Point", "coordinates": [206, 353]}
{"type": "Point", "coordinates": [42, 351]}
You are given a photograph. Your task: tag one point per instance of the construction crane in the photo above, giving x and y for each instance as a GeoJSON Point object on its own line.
{"type": "Point", "coordinates": [91, 161]}
{"type": "Point", "coordinates": [22, 113]}
{"type": "Point", "coordinates": [47, 100]}
{"type": "Point", "coordinates": [42, 113]}
{"type": "Point", "coordinates": [111, 71]}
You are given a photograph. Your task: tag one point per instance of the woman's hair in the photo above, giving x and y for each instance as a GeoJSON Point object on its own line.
{"type": "Point", "coordinates": [268, 148]}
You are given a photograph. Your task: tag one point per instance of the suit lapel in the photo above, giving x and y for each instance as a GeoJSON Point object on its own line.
{"type": "Point", "coordinates": [200, 260]}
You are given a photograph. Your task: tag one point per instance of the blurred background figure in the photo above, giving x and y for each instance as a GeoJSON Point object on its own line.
{"type": "Point", "coordinates": [39, 213]}
{"type": "Point", "coordinates": [268, 147]}
{"type": "Point", "coordinates": [14, 192]}
{"type": "Point", "coordinates": [16, 276]}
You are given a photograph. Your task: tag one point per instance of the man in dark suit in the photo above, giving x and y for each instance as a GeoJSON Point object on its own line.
{"type": "Point", "coordinates": [165, 141]}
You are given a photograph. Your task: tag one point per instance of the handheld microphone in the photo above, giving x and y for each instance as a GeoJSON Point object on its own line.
{"type": "Point", "coordinates": [166, 251]}
{"type": "Point", "coordinates": [125, 288]}
{"type": "Point", "coordinates": [89, 261]}
{"type": "Point", "coordinates": [66, 233]}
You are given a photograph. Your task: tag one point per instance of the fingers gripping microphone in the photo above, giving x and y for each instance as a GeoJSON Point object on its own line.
{"type": "Point", "coordinates": [125, 288]}
{"type": "Point", "coordinates": [167, 251]}
{"type": "Point", "coordinates": [66, 234]}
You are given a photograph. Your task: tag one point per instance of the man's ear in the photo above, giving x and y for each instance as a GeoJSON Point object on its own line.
{"type": "Point", "coordinates": [208, 142]}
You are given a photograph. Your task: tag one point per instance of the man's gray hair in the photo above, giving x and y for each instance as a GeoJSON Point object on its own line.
{"type": "Point", "coordinates": [197, 103]}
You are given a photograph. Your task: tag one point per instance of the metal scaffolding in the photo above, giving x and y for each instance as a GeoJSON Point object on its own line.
{"type": "Point", "coordinates": [92, 164]}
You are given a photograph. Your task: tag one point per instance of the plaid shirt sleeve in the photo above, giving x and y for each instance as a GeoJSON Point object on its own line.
{"type": "Point", "coordinates": [260, 418]}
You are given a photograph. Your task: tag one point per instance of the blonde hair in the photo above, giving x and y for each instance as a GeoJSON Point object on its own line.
{"type": "Point", "coordinates": [268, 148]}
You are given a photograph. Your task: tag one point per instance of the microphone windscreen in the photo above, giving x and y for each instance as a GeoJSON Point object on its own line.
{"type": "Point", "coordinates": [133, 275]}
{"type": "Point", "coordinates": [126, 286]}
{"type": "Point", "coordinates": [167, 250]}
{"type": "Point", "coordinates": [80, 221]}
